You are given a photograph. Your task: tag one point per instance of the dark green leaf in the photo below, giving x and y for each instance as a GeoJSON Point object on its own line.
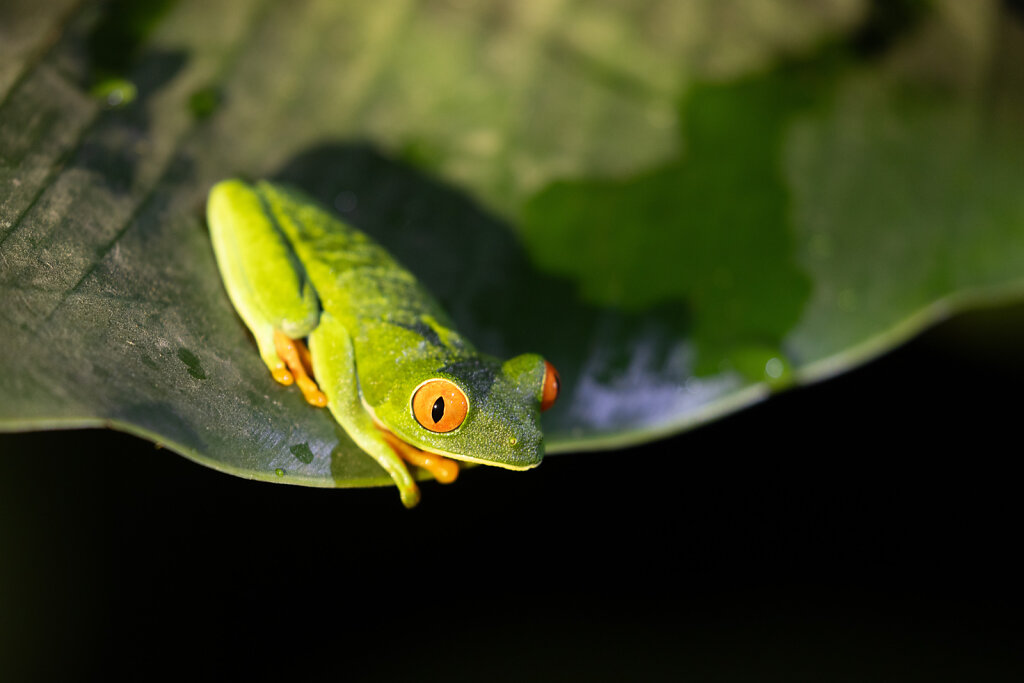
{"type": "Point", "coordinates": [683, 205]}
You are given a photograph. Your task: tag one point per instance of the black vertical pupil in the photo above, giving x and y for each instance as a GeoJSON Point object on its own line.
{"type": "Point", "coordinates": [437, 412]}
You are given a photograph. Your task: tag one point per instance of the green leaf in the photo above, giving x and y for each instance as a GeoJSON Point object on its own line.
{"type": "Point", "coordinates": [685, 207]}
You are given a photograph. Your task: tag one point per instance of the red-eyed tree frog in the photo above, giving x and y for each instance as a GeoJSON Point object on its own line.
{"type": "Point", "coordinates": [381, 356]}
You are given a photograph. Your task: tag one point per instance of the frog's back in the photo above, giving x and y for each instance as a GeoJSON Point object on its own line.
{"type": "Point", "coordinates": [356, 279]}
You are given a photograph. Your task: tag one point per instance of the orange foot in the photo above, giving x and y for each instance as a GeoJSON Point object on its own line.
{"type": "Point", "coordinates": [444, 469]}
{"type": "Point", "coordinates": [296, 356]}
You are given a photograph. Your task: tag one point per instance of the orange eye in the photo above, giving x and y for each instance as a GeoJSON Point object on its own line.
{"type": "Point", "coordinates": [552, 383]}
{"type": "Point", "coordinates": [439, 405]}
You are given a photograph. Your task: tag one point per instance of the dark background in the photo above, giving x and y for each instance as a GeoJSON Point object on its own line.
{"type": "Point", "coordinates": [866, 528]}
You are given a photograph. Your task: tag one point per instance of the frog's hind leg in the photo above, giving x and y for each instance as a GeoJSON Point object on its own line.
{"type": "Point", "coordinates": [267, 283]}
{"type": "Point", "coordinates": [264, 334]}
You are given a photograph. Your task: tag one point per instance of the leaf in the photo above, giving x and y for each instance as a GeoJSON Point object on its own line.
{"type": "Point", "coordinates": [684, 206]}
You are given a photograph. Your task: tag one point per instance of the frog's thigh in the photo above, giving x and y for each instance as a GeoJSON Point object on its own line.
{"type": "Point", "coordinates": [267, 284]}
{"type": "Point", "coordinates": [335, 370]}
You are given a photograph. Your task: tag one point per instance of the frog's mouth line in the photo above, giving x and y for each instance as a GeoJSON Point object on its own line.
{"type": "Point", "coordinates": [476, 461]}
{"type": "Point", "coordinates": [452, 456]}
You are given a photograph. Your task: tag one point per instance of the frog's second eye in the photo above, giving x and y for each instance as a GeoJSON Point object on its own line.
{"type": "Point", "coordinates": [552, 383]}
{"type": "Point", "coordinates": [439, 405]}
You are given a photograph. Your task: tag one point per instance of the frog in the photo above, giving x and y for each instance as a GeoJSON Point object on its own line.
{"type": "Point", "coordinates": [335, 315]}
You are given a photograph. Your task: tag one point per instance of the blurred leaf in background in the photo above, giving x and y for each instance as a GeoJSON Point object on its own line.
{"type": "Point", "coordinates": [684, 205]}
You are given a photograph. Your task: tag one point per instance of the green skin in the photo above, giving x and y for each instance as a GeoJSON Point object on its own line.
{"type": "Point", "coordinates": [374, 333]}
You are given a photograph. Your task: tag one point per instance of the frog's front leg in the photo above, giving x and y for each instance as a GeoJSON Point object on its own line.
{"type": "Point", "coordinates": [444, 469]}
{"type": "Point", "coordinates": [334, 366]}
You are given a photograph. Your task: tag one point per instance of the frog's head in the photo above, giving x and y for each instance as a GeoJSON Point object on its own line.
{"type": "Point", "coordinates": [477, 409]}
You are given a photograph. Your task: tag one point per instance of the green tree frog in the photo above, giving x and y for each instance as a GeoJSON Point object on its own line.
{"type": "Point", "coordinates": [382, 355]}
